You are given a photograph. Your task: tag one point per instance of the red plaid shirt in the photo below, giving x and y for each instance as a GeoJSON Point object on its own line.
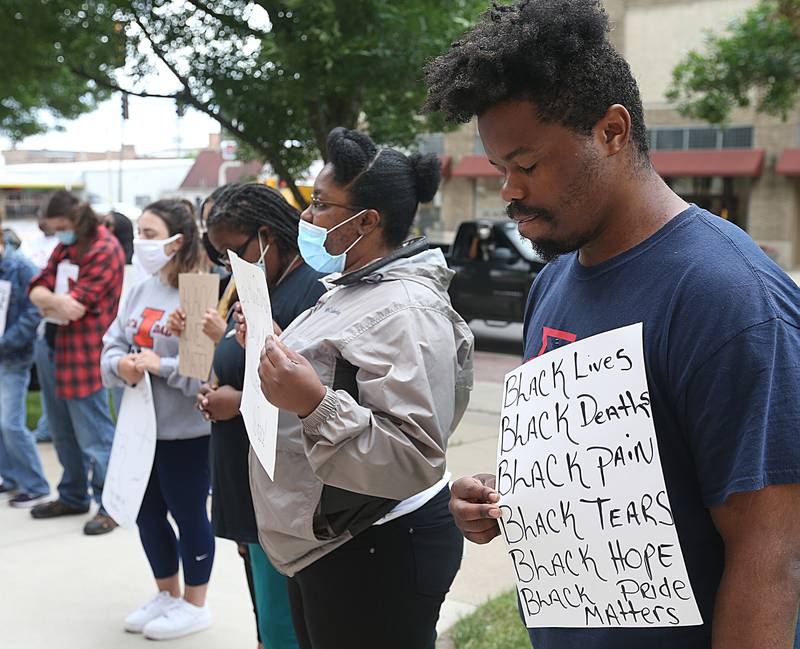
{"type": "Point", "coordinates": [98, 287]}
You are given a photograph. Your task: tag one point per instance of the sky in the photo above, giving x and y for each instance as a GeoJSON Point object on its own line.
{"type": "Point", "coordinates": [153, 128]}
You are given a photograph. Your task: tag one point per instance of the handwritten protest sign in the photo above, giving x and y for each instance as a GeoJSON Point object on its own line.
{"type": "Point", "coordinates": [585, 511]}
{"type": "Point", "coordinates": [131, 454]}
{"type": "Point", "coordinates": [198, 293]}
{"type": "Point", "coordinates": [5, 300]}
{"type": "Point", "coordinates": [66, 274]}
{"type": "Point", "coordinates": [260, 416]}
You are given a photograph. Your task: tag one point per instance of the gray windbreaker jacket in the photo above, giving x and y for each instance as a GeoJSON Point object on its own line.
{"type": "Point", "coordinates": [397, 362]}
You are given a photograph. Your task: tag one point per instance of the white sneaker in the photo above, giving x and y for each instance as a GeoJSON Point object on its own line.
{"type": "Point", "coordinates": [181, 619]}
{"type": "Point", "coordinates": [135, 622]}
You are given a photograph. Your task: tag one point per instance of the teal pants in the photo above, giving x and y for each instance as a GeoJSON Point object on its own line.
{"type": "Point", "coordinates": [272, 602]}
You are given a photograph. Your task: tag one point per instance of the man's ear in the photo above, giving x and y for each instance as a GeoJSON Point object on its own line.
{"type": "Point", "coordinates": [613, 130]}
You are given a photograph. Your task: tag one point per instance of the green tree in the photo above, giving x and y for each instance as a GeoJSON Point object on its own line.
{"type": "Point", "coordinates": [35, 78]}
{"type": "Point", "coordinates": [756, 61]}
{"type": "Point", "coordinates": [278, 85]}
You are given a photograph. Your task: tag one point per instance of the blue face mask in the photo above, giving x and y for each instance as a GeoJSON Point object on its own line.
{"type": "Point", "coordinates": [311, 242]}
{"type": "Point", "coordinates": [67, 237]}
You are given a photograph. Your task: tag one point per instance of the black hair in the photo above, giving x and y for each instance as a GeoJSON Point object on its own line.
{"type": "Point", "coordinates": [123, 231]}
{"type": "Point", "coordinates": [554, 53]}
{"type": "Point", "coordinates": [178, 216]}
{"type": "Point", "coordinates": [385, 180]}
{"type": "Point", "coordinates": [218, 194]}
{"type": "Point", "coordinates": [249, 206]}
{"type": "Point", "coordinates": [64, 203]}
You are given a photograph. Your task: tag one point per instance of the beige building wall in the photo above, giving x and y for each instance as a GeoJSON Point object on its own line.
{"type": "Point", "coordinates": [659, 33]}
{"type": "Point", "coordinates": [458, 194]}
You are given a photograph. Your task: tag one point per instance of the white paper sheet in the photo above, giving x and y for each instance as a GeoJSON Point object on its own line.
{"type": "Point", "coordinates": [131, 455]}
{"type": "Point", "coordinates": [260, 416]}
{"type": "Point", "coordinates": [5, 299]}
{"type": "Point", "coordinates": [586, 516]}
{"type": "Point", "coordinates": [66, 272]}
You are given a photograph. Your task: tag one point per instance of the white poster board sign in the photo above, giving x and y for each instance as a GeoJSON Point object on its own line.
{"type": "Point", "coordinates": [585, 512]}
{"type": "Point", "coordinates": [131, 455]}
{"type": "Point", "coordinates": [66, 272]}
{"type": "Point", "coordinates": [5, 300]}
{"type": "Point", "coordinates": [260, 416]}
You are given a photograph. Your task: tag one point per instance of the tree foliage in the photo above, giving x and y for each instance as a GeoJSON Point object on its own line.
{"type": "Point", "coordinates": [278, 85]}
{"type": "Point", "coordinates": [755, 62]}
{"type": "Point", "coordinates": [35, 38]}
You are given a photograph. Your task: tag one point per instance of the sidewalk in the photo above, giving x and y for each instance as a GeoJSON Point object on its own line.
{"type": "Point", "coordinates": [59, 588]}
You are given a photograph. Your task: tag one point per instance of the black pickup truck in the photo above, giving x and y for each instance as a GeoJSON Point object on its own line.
{"type": "Point", "coordinates": [494, 271]}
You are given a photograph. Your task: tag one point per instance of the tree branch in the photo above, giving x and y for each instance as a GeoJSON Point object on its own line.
{"type": "Point", "coordinates": [80, 72]}
{"type": "Point", "coordinates": [204, 107]}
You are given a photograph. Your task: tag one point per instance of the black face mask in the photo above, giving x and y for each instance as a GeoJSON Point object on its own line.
{"type": "Point", "coordinates": [211, 251]}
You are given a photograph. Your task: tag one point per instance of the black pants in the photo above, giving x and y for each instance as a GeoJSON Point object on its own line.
{"type": "Point", "coordinates": [383, 589]}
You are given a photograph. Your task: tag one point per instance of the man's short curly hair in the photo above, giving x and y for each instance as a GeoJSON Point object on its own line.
{"type": "Point", "coordinates": [554, 53]}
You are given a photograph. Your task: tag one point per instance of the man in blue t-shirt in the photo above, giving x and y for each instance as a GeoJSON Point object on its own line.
{"type": "Point", "coordinates": [560, 117]}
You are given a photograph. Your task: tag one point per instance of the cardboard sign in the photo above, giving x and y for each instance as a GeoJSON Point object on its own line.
{"type": "Point", "coordinates": [198, 293]}
{"type": "Point", "coordinates": [131, 454]}
{"type": "Point", "coordinates": [585, 510]}
{"type": "Point", "coordinates": [260, 416]}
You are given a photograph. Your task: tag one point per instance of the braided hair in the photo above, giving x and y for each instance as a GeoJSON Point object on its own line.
{"type": "Point", "coordinates": [220, 193]}
{"type": "Point", "coordinates": [250, 206]}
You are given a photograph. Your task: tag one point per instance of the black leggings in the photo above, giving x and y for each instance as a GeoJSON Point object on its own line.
{"type": "Point", "coordinates": [178, 485]}
{"type": "Point", "coordinates": [382, 589]}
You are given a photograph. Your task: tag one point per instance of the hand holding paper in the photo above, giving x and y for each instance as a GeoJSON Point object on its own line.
{"type": "Point", "coordinates": [127, 371]}
{"type": "Point", "coordinates": [288, 380]}
{"type": "Point", "coordinates": [176, 322]}
{"type": "Point", "coordinates": [473, 503]}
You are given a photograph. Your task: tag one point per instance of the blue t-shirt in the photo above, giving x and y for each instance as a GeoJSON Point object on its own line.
{"type": "Point", "coordinates": [722, 351]}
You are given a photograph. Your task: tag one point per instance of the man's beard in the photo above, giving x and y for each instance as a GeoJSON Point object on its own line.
{"type": "Point", "coordinates": [547, 249]}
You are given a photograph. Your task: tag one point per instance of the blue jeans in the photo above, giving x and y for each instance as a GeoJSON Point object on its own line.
{"type": "Point", "coordinates": [20, 465]}
{"type": "Point", "coordinates": [82, 434]}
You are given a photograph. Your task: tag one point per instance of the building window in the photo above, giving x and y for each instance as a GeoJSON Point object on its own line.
{"type": "Point", "coordinates": [699, 137]}
{"type": "Point", "coordinates": [669, 139]}
{"type": "Point", "coordinates": [703, 138]}
{"type": "Point", "coordinates": [738, 137]}
{"type": "Point", "coordinates": [431, 143]}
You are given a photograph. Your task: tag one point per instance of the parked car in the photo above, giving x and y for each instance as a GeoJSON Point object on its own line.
{"type": "Point", "coordinates": [494, 269]}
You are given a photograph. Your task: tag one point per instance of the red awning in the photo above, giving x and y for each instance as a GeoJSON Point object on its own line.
{"type": "Point", "coordinates": [789, 163]}
{"type": "Point", "coordinates": [475, 166]}
{"type": "Point", "coordinates": [709, 162]}
{"type": "Point", "coordinates": [447, 164]}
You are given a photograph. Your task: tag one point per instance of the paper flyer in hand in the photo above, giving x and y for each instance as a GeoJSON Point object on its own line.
{"type": "Point", "coordinates": [260, 416]}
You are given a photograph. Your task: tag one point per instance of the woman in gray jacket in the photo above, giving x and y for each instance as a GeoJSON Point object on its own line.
{"type": "Point", "coordinates": [137, 342]}
{"type": "Point", "coordinates": [371, 382]}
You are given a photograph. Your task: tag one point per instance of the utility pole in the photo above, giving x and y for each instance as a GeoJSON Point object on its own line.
{"type": "Point", "coordinates": [122, 143]}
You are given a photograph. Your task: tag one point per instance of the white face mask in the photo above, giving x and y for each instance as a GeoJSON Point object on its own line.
{"type": "Point", "coordinates": [149, 254]}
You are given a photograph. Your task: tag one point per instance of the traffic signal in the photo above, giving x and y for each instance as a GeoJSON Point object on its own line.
{"type": "Point", "coordinates": [124, 106]}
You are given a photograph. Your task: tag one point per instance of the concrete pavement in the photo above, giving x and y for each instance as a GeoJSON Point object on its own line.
{"type": "Point", "coordinates": [59, 588]}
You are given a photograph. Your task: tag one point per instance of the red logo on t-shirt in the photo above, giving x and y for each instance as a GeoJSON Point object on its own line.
{"type": "Point", "coordinates": [150, 317]}
{"type": "Point", "coordinates": [553, 339]}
